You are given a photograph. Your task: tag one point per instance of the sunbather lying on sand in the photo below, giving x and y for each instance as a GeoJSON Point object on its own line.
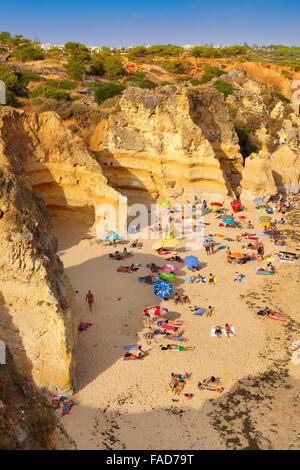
{"type": "Point", "coordinates": [208, 384]}
{"type": "Point", "coordinates": [154, 268]}
{"type": "Point", "coordinates": [175, 258]}
{"type": "Point", "coordinates": [174, 335]}
{"type": "Point", "coordinates": [136, 244]}
{"type": "Point", "coordinates": [228, 330]}
{"type": "Point", "coordinates": [218, 331]}
{"type": "Point", "coordinates": [176, 347]}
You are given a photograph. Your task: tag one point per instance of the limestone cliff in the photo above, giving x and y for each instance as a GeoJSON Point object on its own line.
{"type": "Point", "coordinates": [38, 314]}
{"type": "Point", "coordinates": [170, 142]}
{"type": "Point", "coordinates": [285, 163]}
{"type": "Point", "coordinates": [41, 162]}
{"type": "Point", "coordinates": [52, 161]}
{"type": "Point", "coordinates": [26, 419]}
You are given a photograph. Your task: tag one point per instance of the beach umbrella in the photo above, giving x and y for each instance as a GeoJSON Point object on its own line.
{"type": "Point", "coordinates": [215, 208]}
{"type": "Point", "coordinates": [165, 202]}
{"type": "Point", "coordinates": [167, 276]}
{"type": "Point", "coordinates": [191, 260]}
{"type": "Point", "coordinates": [229, 221]}
{"type": "Point", "coordinates": [258, 200]}
{"type": "Point", "coordinates": [216, 204]}
{"type": "Point", "coordinates": [163, 289]}
{"type": "Point", "coordinates": [113, 236]}
{"type": "Point", "coordinates": [169, 268]}
{"type": "Point", "coordinates": [236, 205]}
{"type": "Point", "coordinates": [226, 217]}
{"type": "Point", "coordinates": [265, 223]}
{"type": "Point", "coordinates": [264, 218]}
{"type": "Point", "coordinates": [237, 255]}
{"type": "Point", "coordinates": [156, 310]}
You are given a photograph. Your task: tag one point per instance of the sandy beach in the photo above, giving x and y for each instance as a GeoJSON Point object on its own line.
{"type": "Point", "coordinates": [126, 404]}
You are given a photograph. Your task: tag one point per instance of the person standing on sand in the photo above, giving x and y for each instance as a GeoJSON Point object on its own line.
{"type": "Point", "coordinates": [90, 299]}
{"type": "Point", "coordinates": [228, 253]}
{"type": "Point", "coordinates": [209, 311]}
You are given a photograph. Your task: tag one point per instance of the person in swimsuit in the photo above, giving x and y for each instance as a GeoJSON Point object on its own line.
{"type": "Point", "coordinates": [207, 247]}
{"type": "Point", "coordinates": [218, 331]}
{"type": "Point", "coordinates": [176, 347]}
{"type": "Point", "coordinates": [204, 384]}
{"type": "Point", "coordinates": [211, 279]}
{"type": "Point", "coordinates": [228, 253]}
{"type": "Point", "coordinates": [209, 311]}
{"type": "Point", "coordinates": [228, 330]}
{"type": "Point", "coordinates": [90, 299]}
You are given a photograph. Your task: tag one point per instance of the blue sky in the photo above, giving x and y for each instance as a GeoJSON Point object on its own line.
{"type": "Point", "coordinates": [157, 22]}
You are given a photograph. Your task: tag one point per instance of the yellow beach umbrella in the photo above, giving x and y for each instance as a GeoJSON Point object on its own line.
{"type": "Point", "coordinates": [265, 224]}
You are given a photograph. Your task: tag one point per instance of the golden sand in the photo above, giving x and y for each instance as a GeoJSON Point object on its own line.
{"type": "Point", "coordinates": [126, 404]}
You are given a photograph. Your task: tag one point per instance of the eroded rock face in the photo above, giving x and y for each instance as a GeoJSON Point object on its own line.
{"type": "Point", "coordinates": [170, 142]}
{"type": "Point", "coordinates": [26, 419]}
{"type": "Point", "coordinates": [285, 163]}
{"type": "Point", "coordinates": [51, 160]}
{"type": "Point", "coordinates": [38, 313]}
{"type": "Point", "coordinates": [41, 162]}
{"type": "Point", "coordinates": [258, 178]}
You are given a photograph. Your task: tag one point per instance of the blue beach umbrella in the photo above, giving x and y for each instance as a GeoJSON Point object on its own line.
{"type": "Point", "coordinates": [113, 236]}
{"type": "Point", "coordinates": [229, 221]}
{"type": "Point", "coordinates": [163, 289]}
{"type": "Point", "coordinates": [191, 260]}
{"type": "Point", "coordinates": [258, 200]}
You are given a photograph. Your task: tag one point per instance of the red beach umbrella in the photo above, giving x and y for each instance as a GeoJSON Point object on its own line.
{"type": "Point", "coordinates": [236, 205]}
{"type": "Point", "coordinates": [216, 204]}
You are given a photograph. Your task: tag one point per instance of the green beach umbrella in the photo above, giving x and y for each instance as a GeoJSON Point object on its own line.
{"type": "Point", "coordinates": [167, 276]}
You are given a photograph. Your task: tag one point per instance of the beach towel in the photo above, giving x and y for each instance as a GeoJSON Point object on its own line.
{"type": "Point", "coordinates": [268, 258]}
{"type": "Point", "coordinates": [239, 278]}
{"type": "Point", "coordinates": [242, 217]}
{"type": "Point", "coordinates": [175, 260]}
{"type": "Point", "coordinates": [189, 279]}
{"type": "Point", "coordinates": [132, 358]}
{"type": "Point", "coordinates": [172, 391]}
{"type": "Point", "coordinates": [83, 326]}
{"type": "Point", "coordinates": [221, 225]}
{"type": "Point", "coordinates": [213, 313]}
{"type": "Point", "coordinates": [166, 326]}
{"type": "Point", "coordinates": [129, 270]}
{"type": "Point", "coordinates": [263, 272]}
{"type": "Point", "coordinates": [213, 333]}
{"type": "Point", "coordinates": [133, 346]}
{"type": "Point", "coordinates": [229, 239]}
{"type": "Point", "coordinates": [200, 312]}
{"type": "Point", "coordinates": [276, 316]}
{"type": "Point", "coordinates": [222, 247]}
{"type": "Point", "coordinates": [285, 260]}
